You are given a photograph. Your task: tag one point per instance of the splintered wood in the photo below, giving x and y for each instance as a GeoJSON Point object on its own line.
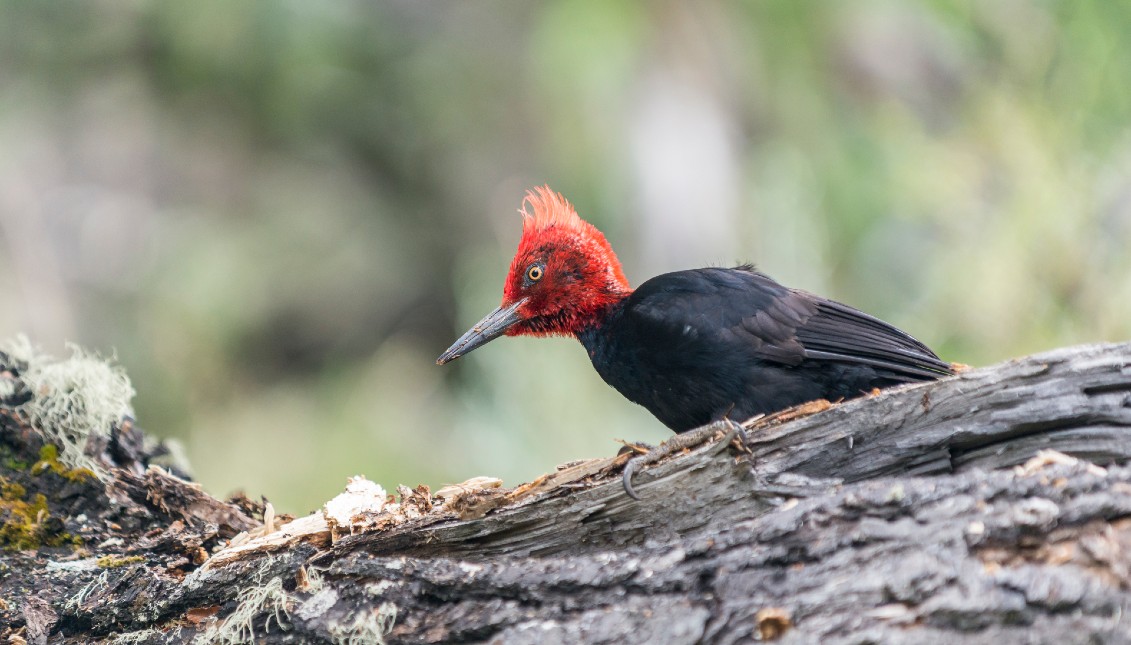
{"type": "Point", "coordinates": [363, 507]}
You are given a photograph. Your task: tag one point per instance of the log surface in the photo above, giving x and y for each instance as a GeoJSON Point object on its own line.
{"type": "Point", "coordinates": [921, 514]}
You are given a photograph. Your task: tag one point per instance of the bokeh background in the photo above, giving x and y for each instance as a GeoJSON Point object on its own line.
{"type": "Point", "coordinates": [278, 214]}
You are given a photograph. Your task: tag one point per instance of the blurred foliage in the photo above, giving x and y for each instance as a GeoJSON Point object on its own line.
{"type": "Point", "coordinates": [279, 213]}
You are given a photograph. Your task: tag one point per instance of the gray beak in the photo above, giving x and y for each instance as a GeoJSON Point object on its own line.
{"type": "Point", "coordinates": [492, 326]}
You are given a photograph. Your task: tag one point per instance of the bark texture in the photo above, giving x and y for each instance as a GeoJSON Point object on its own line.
{"type": "Point", "coordinates": [989, 507]}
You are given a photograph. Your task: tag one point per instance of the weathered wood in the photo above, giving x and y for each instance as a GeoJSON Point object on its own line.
{"type": "Point", "coordinates": [914, 560]}
{"type": "Point", "coordinates": [1076, 401]}
{"type": "Point", "coordinates": [893, 518]}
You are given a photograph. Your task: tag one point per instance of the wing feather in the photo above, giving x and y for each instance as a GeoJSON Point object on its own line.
{"type": "Point", "coordinates": [839, 332]}
{"type": "Point", "coordinates": [746, 311]}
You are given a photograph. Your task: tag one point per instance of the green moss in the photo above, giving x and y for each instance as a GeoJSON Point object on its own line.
{"type": "Point", "coordinates": [12, 460]}
{"type": "Point", "coordinates": [15, 464]}
{"type": "Point", "coordinates": [113, 561]}
{"type": "Point", "coordinates": [24, 522]}
{"type": "Point", "coordinates": [24, 517]}
{"type": "Point", "coordinates": [49, 460]}
{"type": "Point", "coordinates": [79, 474]}
{"type": "Point", "coordinates": [11, 491]}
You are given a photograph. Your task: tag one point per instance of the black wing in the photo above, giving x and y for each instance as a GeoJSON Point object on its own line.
{"type": "Point", "coordinates": [744, 311]}
{"type": "Point", "coordinates": [841, 333]}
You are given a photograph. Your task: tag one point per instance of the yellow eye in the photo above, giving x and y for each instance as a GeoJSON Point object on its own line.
{"type": "Point", "coordinates": [534, 273]}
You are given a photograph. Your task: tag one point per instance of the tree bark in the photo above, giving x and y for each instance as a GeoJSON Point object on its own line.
{"type": "Point", "coordinates": [989, 507]}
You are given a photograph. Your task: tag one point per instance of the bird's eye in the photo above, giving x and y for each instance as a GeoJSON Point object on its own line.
{"type": "Point", "coordinates": [534, 273]}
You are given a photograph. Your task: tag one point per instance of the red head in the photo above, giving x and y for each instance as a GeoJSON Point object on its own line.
{"type": "Point", "coordinates": [563, 276]}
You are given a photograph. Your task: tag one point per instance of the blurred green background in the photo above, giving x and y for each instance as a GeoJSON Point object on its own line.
{"type": "Point", "coordinates": [279, 213]}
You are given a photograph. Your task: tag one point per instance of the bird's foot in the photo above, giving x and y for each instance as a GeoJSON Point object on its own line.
{"type": "Point", "coordinates": [677, 444]}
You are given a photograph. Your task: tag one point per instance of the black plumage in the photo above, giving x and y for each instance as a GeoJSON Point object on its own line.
{"type": "Point", "coordinates": [696, 346]}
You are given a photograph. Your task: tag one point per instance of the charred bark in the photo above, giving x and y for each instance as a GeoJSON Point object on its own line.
{"type": "Point", "coordinates": [992, 506]}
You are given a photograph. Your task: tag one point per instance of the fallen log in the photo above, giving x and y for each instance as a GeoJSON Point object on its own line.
{"type": "Point", "coordinates": [991, 506]}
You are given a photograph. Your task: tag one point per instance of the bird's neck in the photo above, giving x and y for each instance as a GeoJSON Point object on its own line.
{"type": "Point", "coordinates": [602, 292]}
{"type": "Point", "coordinates": [594, 334]}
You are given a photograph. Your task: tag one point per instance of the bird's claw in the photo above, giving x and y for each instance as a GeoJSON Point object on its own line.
{"type": "Point", "coordinates": [626, 478]}
{"type": "Point", "coordinates": [734, 431]}
{"type": "Point", "coordinates": [678, 443]}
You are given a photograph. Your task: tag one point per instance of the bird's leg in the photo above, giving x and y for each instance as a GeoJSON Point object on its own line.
{"type": "Point", "coordinates": [679, 443]}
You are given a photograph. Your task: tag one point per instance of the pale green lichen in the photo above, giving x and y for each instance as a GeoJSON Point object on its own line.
{"type": "Point", "coordinates": [237, 627]}
{"type": "Point", "coordinates": [366, 627]}
{"type": "Point", "coordinates": [100, 583]}
{"type": "Point", "coordinates": [136, 638]}
{"type": "Point", "coordinates": [72, 399]}
{"type": "Point", "coordinates": [313, 579]}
